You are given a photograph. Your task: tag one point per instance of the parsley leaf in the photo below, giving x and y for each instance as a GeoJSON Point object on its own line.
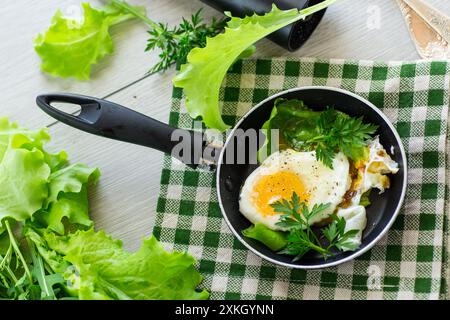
{"type": "Point", "coordinates": [176, 43]}
{"type": "Point", "coordinates": [327, 132]}
{"type": "Point", "coordinates": [302, 239]}
{"type": "Point", "coordinates": [340, 132]}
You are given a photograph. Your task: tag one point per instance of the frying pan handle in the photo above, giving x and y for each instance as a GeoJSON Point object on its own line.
{"type": "Point", "coordinates": [108, 119]}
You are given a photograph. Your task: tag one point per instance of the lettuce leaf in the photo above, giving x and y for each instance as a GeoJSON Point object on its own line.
{"type": "Point", "coordinates": [23, 183]}
{"type": "Point", "coordinates": [40, 185]}
{"type": "Point", "coordinates": [70, 47]}
{"type": "Point", "coordinates": [266, 148]}
{"type": "Point", "coordinates": [68, 197]}
{"type": "Point", "coordinates": [274, 240]}
{"type": "Point", "coordinates": [39, 189]}
{"type": "Point", "coordinates": [209, 65]}
{"type": "Point", "coordinates": [296, 122]}
{"type": "Point", "coordinates": [23, 171]}
{"type": "Point", "coordinates": [73, 206]}
{"type": "Point", "coordinates": [105, 271]}
{"type": "Point", "coordinates": [70, 179]}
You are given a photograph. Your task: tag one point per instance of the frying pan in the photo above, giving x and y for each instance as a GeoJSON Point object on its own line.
{"type": "Point", "coordinates": [107, 119]}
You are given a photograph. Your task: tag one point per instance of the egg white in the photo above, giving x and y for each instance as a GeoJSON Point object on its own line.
{"type": "Point", "coordinates": [371, 175]}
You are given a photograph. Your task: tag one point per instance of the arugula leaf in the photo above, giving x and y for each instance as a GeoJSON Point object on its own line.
{"type": "Point", "coordinates": [211, 63]}
{"type": "Point", "coordinates": [106, 271]}
{"type": "Point", "coordinates": [52, 259]}
{"type": "Point", "coordinates": [45, 281]}
{"type": "Point", "coordinates": [69, 47]}
{"type": "Point", "coordinates": [274, 240]}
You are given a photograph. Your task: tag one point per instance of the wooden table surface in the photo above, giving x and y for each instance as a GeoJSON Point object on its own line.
{"type": "Point", "coordinates": [124, 202]}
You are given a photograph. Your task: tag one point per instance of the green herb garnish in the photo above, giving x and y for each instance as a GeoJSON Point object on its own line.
{"type": "Point", "coordinates": [327, 132]}
{"type": "Point", "coordinates": [339, 132]}
{"type": "Point", "coordinates": [297, 218]}
{"type": "Point", "coordinates": [176, 43]}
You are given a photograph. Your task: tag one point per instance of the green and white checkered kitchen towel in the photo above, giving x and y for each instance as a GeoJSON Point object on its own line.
{"type": "Point", "coordinates": [407, 263]}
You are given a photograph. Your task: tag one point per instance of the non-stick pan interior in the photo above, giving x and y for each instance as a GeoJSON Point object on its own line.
{"type": "Point", "coordinates": [383, 206]}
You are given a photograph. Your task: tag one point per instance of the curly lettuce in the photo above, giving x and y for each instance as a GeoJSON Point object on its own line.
{"type": "Point", "coordinates": [35, 184]}
{"type": "Point", "coordinates": [68, 197]}
{"type": "Point", "coordinates": [106, 271]}
{"type": "Point", "coordinates": [24, 172]}
{"type": "Point", "coordinates": [201, 77]}
{"type": "Point", "coordinates": [69, 48]}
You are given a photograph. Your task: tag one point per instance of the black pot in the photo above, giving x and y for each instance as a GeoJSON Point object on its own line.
{"type": "Point", "coordinates": [111, 120]}
{"type": "Point", "coordinates": [291, 37]}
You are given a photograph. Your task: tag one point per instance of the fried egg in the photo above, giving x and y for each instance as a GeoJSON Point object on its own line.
{"type": "Point", "coordinates": [289, 171]}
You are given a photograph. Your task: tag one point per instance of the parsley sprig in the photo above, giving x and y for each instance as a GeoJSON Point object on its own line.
{"type": "Point", "coordinates": [297, 218]}
{"type": "Point", "coordinates": [176, 42]}
{"type": "Point", "coordinates": [339, 132]}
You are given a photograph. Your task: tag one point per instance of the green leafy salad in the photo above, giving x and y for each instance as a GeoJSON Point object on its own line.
{"type": "Point", "coordinates": [48, 247]}
{"type": "Point", "coordinates": [311, 193]}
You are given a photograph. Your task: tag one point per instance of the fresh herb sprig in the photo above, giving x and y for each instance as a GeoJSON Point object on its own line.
{"type": "Point", "coordinates": [174, 43]}
{"type": "Point", "coordinates": [339, 132]}
{"type": "Point", "coordinates": [297, 218]}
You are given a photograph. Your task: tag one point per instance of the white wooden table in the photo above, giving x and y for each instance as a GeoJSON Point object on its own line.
{"type": "Point", "coordinates": [124, 202]}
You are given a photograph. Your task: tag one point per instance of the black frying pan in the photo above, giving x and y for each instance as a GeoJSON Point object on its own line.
{"type": "Point", "coordinates": [113, 121]}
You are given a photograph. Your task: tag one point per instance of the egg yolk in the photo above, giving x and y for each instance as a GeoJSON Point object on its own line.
{"type": "Point", "coordinates": [272, 188]}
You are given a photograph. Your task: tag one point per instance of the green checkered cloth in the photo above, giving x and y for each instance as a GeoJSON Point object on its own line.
{"type": "Point", "coordinates": [408, 263]}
